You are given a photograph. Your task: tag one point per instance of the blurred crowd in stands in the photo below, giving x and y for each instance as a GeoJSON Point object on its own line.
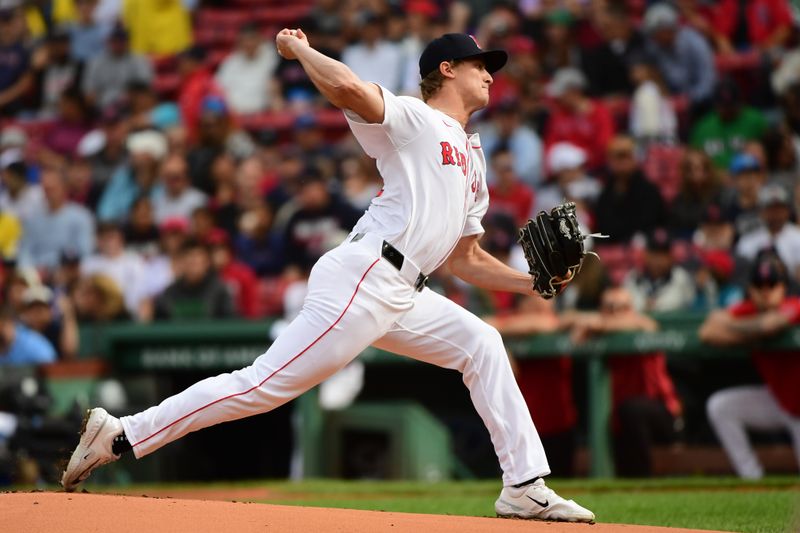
{"type": "Point", "coordinates": [160, 161]}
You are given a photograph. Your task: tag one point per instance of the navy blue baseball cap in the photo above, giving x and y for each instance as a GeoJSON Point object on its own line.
{"type": "Point", "coordinates": [451, 46]}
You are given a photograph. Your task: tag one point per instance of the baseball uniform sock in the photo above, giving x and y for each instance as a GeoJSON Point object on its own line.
{"type": "Point", "coordinates": [120, 444]}
{"type": "Point", "coordinates": [520, 485]}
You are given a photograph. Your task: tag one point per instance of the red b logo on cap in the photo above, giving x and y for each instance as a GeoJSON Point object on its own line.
{"type": "Point", "coordinates": [476, 41]}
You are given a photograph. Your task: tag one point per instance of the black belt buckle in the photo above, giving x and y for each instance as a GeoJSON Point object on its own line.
{"type": "Point", "coordinates": [421, 283]}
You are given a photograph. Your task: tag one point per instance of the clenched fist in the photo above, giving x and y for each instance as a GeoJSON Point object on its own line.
{"type": "Point", "coordinates": [287, 39]}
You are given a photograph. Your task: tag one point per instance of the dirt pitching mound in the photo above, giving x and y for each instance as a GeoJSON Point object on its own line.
{"type": "Point", "coordinates": [38, 512]}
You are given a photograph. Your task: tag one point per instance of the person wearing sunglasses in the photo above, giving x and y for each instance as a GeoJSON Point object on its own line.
{"type": "Point", "coordinates": [775, 404]}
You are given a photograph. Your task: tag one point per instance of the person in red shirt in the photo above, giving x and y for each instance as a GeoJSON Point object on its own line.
{"type": "Point", "coordinates": [508, 194]}
{"type": "Point", "coordinates": [645, 407]}
{"type": "Point", "coordinates": [197, 82]}
{"type": "Point", "coordinates": [737, 25]}
{"type": "Point", "coordinates": [237, 276]}
{"type": "Point", "coordinates": [774, 405]}
{"type": "Point", "coordinates": [577, 119]}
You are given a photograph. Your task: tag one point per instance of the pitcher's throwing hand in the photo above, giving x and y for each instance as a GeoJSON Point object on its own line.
{"type": "Point", "coordinates": [286, 39]}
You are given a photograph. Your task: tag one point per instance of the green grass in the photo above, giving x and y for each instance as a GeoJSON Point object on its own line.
{"type": "Point", "coordinates": [726, 504]}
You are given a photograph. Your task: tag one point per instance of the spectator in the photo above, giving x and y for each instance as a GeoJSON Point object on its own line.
{"type": "Point", "coordinates": [777, 232]}
{"type": "Point", "coordinates": [607, 65]}
{"type": "Point", "coordinates": [775, 405]}
{"type": "Point", "coordinates": [423, 18]}
{"type": "Point", "coordinates": [783, 160]}
{"type": "Point", "coordinates": [66, 276]}
{"type": "Point", "coordinates": [141, 233]}
{"type": "Point", "coordinates": [629, 203]}
{"type": "Point", "coordinates": [577, 119]}
{"type": "Point", "coordinates": [372, 58]}
{"type": "Point", "coordinates": [237, 276]}
{"type": "Point", "coordinates": [568, 180]}
{"type": "Point", "coordinates": [124, 267]}
{"type": "Point", "coordinates": [652, 117]}
{"type": "Point", "coordinates": [64, 226]}
{"type": "Point", "coordinates": [19, 198]}
{"type": "Point", "coordinates": [10, 236]}
{"type": "Point", "coordinates": [700, 187]}
{"type": "Point", "coordinates": [508, 194]}
{"type": "Point", "coordinates": [138, 177]}
{"type": "Point", "coordinates": [109, 151]}
{"type": "Point", "coordinates": [97, 299]}
{"type": "Point", "coordinates": [714, 279]}
{"type": "Point", "coordinates": [16, 76]}
{"type": "Point", "coordinates": [176, 198]}
{"type": "Point", "coordinates": [559, 49]}
{"type": "Point", "coordinates": [197, 83]}
{"type": "Point", "coordinates": [223, 202]}
{"type": "Point", "coordinates": [715, 232]}
{"type": "Point", "coordinates": [645, 407]}
{"type": "Point", "coordinates": [158, 27]}
{"type": "Point", "coordinates": [217, 134]}
{"type": "Point", "coordinates": [163, 265]}
{"type": "Point", "coordinates": [742, 208]}
{"type": "Point", "coordinates": [57, 71]}
{"type": "Point", "coordinates": [763, 24]}
{"type": "Point", "coordinates": [322, 221]}
{"type": "Point", "coordinates": [110, 71]}
{"type": "Point", "coordinates": [684, 57]}
{"type": "Point", "coordinates": [246, 75]}
{"type": "Point", "coordinates": [72, 122]}
{"type": "Point", "coordinates": [723, 132]}
{"type": "Point", "coordinates": [506, 129]}
{"type": "Point", "coordinates": [197, 292]}
{"type": "Point", "coordinates": [309, 139]}
{"type": "Point", "coordinates": [258, 244]}
{"type": "Point", "coordinates": [87, 36]}
{"type": "Point", "coordinates": [57, 325]}
{"type": "Point", "coordinates": [661, 285]}
{"type": "Point", "coordinates": [22, 346]}
{"type": "Point", "coordinates": [80, 187]}
{"type": "Point", "coordinates": [202, 224]}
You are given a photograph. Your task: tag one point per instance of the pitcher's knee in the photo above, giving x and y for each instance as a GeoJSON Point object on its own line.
{"type": "Point", "coordinates": [719, 406]}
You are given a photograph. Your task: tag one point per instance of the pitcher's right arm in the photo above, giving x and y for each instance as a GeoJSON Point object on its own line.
{"type": "Point", "coordinates": [337, 83]}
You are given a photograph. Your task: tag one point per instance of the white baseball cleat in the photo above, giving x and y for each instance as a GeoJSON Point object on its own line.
{"type": "Point", "coordinates": [539, 502]}
{"type": "Point", "coordinates": [94, 449]}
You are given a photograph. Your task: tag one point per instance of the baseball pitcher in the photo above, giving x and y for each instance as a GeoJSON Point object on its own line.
{"type": "Point", "coordinates": [371, 290]}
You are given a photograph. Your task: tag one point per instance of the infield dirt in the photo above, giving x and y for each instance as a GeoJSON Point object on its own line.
{"type": "Point", "coordinates": [48, 512]}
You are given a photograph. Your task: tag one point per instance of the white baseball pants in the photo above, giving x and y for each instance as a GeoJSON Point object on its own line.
{"type": "Point", "coordinates": [355, 299]}
{"type": "Point", "coordinates": [733, 411]}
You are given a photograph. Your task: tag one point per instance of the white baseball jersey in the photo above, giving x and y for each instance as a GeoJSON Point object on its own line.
{"type": "Point", "coordinates": [434, 194]}
{"type": "Point", "coordinates": [434, 177]}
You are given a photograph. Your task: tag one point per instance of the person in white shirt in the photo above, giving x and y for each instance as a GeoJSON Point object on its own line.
{"type": "Point", "coordinates": [776, 232]}
{"type": "Point", "coordinates": [246, 75]}
{"type": "Point", "coordinates": [176, 198]}
{"type": "Point", "coordinates": [652, 116]}
{"type": "Point", "coordinates": [124, 267]}
{"type": "Point", "coordinates": [20, 198]}
{"type": "Point", "coordinates": [373, 58]}
{"type": "Point", "coordinates": [371, 289]}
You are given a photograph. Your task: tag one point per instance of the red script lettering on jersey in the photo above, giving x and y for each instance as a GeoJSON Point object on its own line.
{"type": "Point", "coordinates": [451, 156]}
